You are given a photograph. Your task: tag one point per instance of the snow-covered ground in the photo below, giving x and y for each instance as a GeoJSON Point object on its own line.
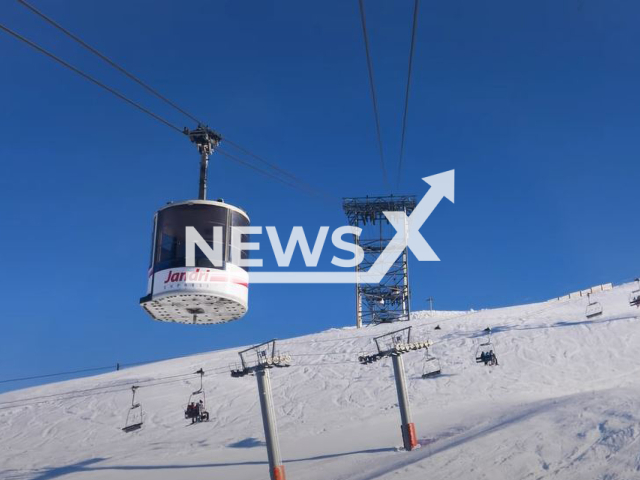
{"type": "Point", "coordinates": [563, 403]}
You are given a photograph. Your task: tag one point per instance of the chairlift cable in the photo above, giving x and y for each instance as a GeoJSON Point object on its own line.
{"type": "Point", "coordinates": [95, 390]}
{"type": "Point", "coordinates": [108, 389]}
{"type": "Point", "coordinates": [72, 395]}
{"type": "Point", "coordinates": [96, 369]}
{"type": "Point", "coordinates": [223, 369]}
{"type": "Point", "coordinates": [172, 379]}
{"type": "Point", "coordinates": [58, 374]}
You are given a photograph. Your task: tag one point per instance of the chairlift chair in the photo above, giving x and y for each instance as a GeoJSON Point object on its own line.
{"type": "Point", "coordinates": [486, 353]}
{"type": "Point", "coordinates": [134, 418]}
{"type": "Point", "coordinates": [634, 296]}
{"type": "Point", "coordinates": [196, 409]}
{"type": "Point", "coordinates": [593, 308]}
{"type": "Point", "coordinates": [432, 366]}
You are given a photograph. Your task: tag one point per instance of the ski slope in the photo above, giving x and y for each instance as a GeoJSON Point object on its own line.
{"type": "Point", "coordinates": [563, 403]}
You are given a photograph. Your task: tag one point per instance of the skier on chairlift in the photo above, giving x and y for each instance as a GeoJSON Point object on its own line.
{"type": "Point", "coordinates": [196, 412]}
{"type": "Point", "coordinates": [491, 358]}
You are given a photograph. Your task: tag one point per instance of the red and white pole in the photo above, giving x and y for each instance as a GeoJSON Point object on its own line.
{"type": "Point", "coordinates": [409, 438]}
{"type": "Point", "coordinates": [276, 468]}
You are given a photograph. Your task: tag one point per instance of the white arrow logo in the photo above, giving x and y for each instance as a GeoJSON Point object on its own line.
{"type": "Point", "coordinates": [408, 228]}
{"type": "Point", "coordinates": [407, 235]}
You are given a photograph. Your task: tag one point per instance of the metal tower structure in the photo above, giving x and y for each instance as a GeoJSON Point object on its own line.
{"type": "Point", "coordinates": [387, 301]}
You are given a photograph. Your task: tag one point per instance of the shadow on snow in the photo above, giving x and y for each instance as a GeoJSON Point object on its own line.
{"type": "Point", "coordinates": [88, 465]}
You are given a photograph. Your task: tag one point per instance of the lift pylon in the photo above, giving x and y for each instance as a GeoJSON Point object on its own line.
{"type": "Point", "coordinates": [394, 345]}
{"type": "Point", "coordinates": [389, 300]}
{"type": "Point", "coordinates": [258, 360]}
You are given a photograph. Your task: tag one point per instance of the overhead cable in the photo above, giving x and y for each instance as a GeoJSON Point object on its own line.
{"type": "Point", "coordinates": [406, 97]}
{"type": "Point", "coordinates": [373, 94]}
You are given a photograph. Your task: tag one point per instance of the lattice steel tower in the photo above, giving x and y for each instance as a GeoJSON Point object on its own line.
{"type": "Point", "coordinates": [387, 301]}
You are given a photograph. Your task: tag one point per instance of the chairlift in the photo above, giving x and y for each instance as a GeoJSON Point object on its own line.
{"type": "Point", "coordinates": [196, 406]}
{"type": "Point", "coordinates": [134, 420]}
{"type": "Point", "coordinates": [593, 308]}
{"type": "Point", "coordinates": [634, 296]}
{"type": "Point", "coordinates": [432, 366]}
{"type": "Point", "coordinates": [486, 352]}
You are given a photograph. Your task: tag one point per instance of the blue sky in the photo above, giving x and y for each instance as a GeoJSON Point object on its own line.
{"type": "Point", "coordinates": [535, 106]}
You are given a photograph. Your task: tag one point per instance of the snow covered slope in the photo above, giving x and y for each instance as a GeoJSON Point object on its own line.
{"type": "Point", "coordinates": [564, 403]}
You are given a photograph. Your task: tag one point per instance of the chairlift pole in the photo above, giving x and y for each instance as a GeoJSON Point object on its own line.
{"type": "Point", "coordinates": [406, 293]}
{"type": "Point", "coordinates": [201, 373]}
{"type": "Point", "coordinates": [276, 468]}
{"type": "Point", "coordinates": [356, 239]}
{"type": "Point", "coordinates": [393, 345]}
{"type": "Point", "coordinates": [267, 358]}
{"type": "Point", "coordinates": [408, 428]}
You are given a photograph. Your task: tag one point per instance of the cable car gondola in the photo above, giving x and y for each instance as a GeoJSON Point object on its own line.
{"type": "Point", "coordinates": [634, 296]}
{"type": "Point", "coordinates": [432, 367]}
{"type": "Point", "coordinates": [203, 293]}
{"type": "Point", "coordinates": [593, 308]}
{"type": "Point", "coordinates": [197, 406]}
{"type": "Point", "coordinates": [134, 418]}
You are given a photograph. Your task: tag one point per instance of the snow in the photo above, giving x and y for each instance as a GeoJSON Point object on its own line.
{"type": "Point", "coordinates": [563, 403]}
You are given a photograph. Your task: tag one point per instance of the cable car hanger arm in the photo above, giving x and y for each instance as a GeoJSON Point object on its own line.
{"type": "Point", "coordinates": [206, 140]}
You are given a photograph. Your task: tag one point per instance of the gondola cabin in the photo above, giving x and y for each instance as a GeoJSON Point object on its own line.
{"type": "Point", "coordinates": [204, 293]}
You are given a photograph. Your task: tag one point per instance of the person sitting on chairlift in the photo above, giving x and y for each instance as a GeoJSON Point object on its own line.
{"type": "Point", "coordinates": [486, 357]}
{"type": "Point", "coordinates": [493, 358]}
